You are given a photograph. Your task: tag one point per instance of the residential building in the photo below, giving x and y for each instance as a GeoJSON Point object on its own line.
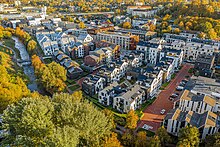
{"type": "Point", "coordinates": [204, 65]}
{"type": "Point", "coordinates": [126, 41]}
{"type": "Point", "coordinates": [152, 79]}
{"type": "Point", "coordinates": [198, 102]}
{"type": "Point", "coordinates": [204, 85]}
{"type": "Point", "coordinates": [92, 84]}
{"type": "Point", "coordinates": [106, 95]}
{"type": "Point", "coordinates": [132, 98]}
{"type": "Point", "coordinates": [144, 13]}
{"type": "Point", "coordinates": [150, 50]}
{"type": "Point", "coordinates": [207, 122]}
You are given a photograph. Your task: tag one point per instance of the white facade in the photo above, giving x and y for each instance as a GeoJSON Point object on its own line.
{"type": "Point", "coordinates": [132, 99]}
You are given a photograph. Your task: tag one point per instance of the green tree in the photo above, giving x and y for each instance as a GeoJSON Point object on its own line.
{"type": "Point", "coordinates": [217, 29]}
{"type": "Point", "coordinates": [141, 139]}
{"type": "Point", "coordinates": [63, 120]}
{"type": "Point", "coordinates": [154, 142]}
{"type": "Point", "coordinates": [31, 46]}
{"type": "Point", "coordinates": [127, 25]}
{"type": "Point", "coordinates": [82, 25]}
{"type": "Point", "coordinates": [7, 34]}
{"type": "Point", "coordinates": [212, 34]}
{"type": "Point", "coordinates": [112, 141]}
{"type": "Point", "coordinates": [163, 136]}
{"type": "Point", "coordinates": [188, 136]}
{"type": "Point", "coordinates": [202, 35]}
{"type": "Point", "coordinates": [212, 140]}
{"type": "Point", "coordinates": [206, 27]}
{"type": "Point", "coordinates": [131, 119]}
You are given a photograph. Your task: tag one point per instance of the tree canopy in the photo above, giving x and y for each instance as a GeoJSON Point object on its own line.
{"type": "Point", "coordinates": [188, 136]}
{"type": "Point", "coordinates": [63, 120]}
{"type": "Point", "coordinates": [52, 76]}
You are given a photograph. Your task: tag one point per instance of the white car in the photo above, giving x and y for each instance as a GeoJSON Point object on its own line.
{"type": "Point", "coordinates": [162, 111]}
{"type": "Point", "coordinates": [179, 88]}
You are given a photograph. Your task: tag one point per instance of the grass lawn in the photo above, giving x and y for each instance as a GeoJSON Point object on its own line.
{"type": "Point", "coordinates": [7, 51]}
{"type": "Point", "coordinates": [74, 87]}
{"type": "Point", "coordinates": [191, 70]}
{"type": "Point", "coordinates": [164, 85]}
{"type": "Point", "coordinates": [70, 82]}
{"type": "Point", "coordinates": [11, 43]}
{"type": "Point", "coordinates": [48, 60]}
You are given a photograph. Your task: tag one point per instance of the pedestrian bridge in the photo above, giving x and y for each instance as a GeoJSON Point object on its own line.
{"type": "Point", "coordinates": [24, 62]}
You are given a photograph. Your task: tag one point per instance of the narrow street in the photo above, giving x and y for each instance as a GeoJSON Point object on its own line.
{"type": "Point", "coordinates": [152, 116]}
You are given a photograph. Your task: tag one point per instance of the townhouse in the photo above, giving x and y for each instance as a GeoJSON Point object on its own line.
{"type": "Point", "coordinates": [113, 71]}
{"type": "Point", "coordinates": [167, 66]}
{"type": "Point", "coordinates": [144, 13]}
{"type": "Point", "coordinates": [207, 122]}
{"type": "Point", "coordinates": [152, 79]}
{"type": "Point", "coordinates": [72, 67]}
{"type": "Point", "coordinates": [92, 84]}
{"type": "Point", "coordinates": [106, 95]}
{"type": "Point", "coordinates": [132, 98]}
{"type": "Point", "coordinates": [98, 56]}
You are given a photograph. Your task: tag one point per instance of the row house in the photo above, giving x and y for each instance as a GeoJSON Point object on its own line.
{"type": "Point", "coordinates": [173, 54]}
{"type": "Point", "coordinates": [93, 84]}
{"type": "Point", "coordinates": [72, 67]}
{"type": "Point", "coordinates": [153, 79]}
{"type": "Point", "coordinates": [106, 95]}
{"type": "Point", "coordinates": [98, 56]}
{"type": "Point", "coordinates": [140, 33]}
{"type": "Point", "coordinates": [167, 66]}
{"type": "Point", "coordinates": [126, 41]}
{"type": "Point", "coordinates": [198, 103]}
{"type": "Point", "coordinates": [131, 99]}
{"type": "Point", "coordinates": [207, 122]}
{"type": "Point", "coordinates": [134, 58]}
{"type": "Point", "coordinates": [204, 85]}
{"type": "Point", "coordinates": [114, 71]}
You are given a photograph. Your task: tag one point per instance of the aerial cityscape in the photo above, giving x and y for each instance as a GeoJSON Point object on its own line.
{"type": "Point", "coordinates": [109, 73]}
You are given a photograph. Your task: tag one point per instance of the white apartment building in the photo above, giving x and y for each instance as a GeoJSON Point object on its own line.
{"type": "Point", "coordinates": [106, 95]}
{"type": "Point", "coordinates": [131, 99]}
{"type": "Point", "coordinates": [150, 50]}
{"type": "Point", "coordinates": [193, 49]}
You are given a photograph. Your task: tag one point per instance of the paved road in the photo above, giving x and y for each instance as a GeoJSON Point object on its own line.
{"type": "Point", "coordinates": [152, 116]}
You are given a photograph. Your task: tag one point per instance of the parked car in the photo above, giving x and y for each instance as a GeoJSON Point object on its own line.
{"type": "Point", "coordinates": [170, 98]}
{"type": "Point", "coordinates": [174, 95]}
{"type": "Point", "coordinates": [179, 88]}
{"type": "Point", "coordinates": [162, 111]}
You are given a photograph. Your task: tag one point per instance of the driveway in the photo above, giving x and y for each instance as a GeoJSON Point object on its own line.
{"type": "Point", "coordinates": [152, 116]}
